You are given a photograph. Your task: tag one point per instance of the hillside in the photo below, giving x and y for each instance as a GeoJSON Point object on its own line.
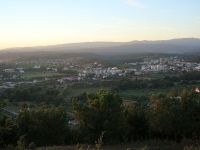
{"type": "Point", "coordinates": [185, 45]}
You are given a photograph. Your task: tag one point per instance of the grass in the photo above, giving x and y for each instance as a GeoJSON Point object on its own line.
{"type": "Point", "coordinates": [31, 65]}
{"type": "Point", "coordinates": [144, 145]}
{"type": "Point", "coordinates": [125, 94]}
{"type": "Point", "coordinates": [131, 94]}
{"type": "Point", "coordinates": [150, 76]}
{"type": "Point", "coordinates": [77, 91]}
{"type": "Point", "coordinates": [30, 75]}
{"type": "Point", "coordinates": [128, 94]}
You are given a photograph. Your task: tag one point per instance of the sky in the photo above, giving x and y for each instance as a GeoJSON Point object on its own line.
{"type": "Point", "coordinates": [48, 22]}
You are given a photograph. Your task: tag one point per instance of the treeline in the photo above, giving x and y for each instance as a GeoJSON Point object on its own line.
{"type": "Point", "coordinates": [54, 95]}
{"type": "Point", "coordinates": [126, 84]}
{"type": "Point", "coordinates": [166, 81]}
{"type": "Point", "coordinates": [184, 77]}
{"type": "Point", "coordinates": [171, 116]}
{"type": "Point", "coordinates": [42, 125]}
{"type": "Point", "coordinates": [36, 94]}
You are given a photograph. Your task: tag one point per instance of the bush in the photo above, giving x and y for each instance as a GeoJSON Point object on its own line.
{"type": "Point", "coordinates": [43, 125]}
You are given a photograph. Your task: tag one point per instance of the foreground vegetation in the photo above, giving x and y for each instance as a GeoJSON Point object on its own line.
{"type": "Point", "coordinates": [157, 111]}
{"type": "Point", "coordinates": [102, 118]}
{"type": "Point", "coordinates": [144, 145]}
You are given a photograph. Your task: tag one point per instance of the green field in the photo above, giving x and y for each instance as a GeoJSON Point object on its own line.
{"type": "Point", "coordinates": [71, 92]}
{"type": "Point", "coordinates": [31, 75]}
{"type": "Point", "coordinates": [130, 94]}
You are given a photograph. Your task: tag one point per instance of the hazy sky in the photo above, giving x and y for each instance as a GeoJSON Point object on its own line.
{"type": "Point", "coordinates": [44, 22]}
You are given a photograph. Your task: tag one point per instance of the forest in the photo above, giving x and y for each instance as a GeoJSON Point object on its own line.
{"type": "Point", "coordinates": [171, 116]}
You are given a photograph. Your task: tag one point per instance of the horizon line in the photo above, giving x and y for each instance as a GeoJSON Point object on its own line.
{"type": "Point", "coordinates": [46, 45]}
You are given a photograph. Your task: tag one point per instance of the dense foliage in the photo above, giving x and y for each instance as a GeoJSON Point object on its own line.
{"type": "Point", "coordinates": [7, 129]}
{"type": "Point", "coordinates": [173, 116]}
{"type": "Point", "coordinates": [43, 125]}
{"type": "Point", "coordinates": [102, 112]}
{"type": "Point", "coordinates": [37, 94]}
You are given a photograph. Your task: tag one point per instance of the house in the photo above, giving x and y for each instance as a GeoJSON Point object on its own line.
{"type": "Point", "coordinates": [197, 90]}
{"type": "Point", "coordinates": [72, 78]}
{"type": "Point", "coordinates": [9, 84]}
{"type": "Point", "coordinates": [35, 81]}
{"type": "Point", "coordinates": [137, 73]}
{"type": "Point", "coordinates": [9, 70]}
{"type": "Point", "coordinates": [61, 81]}
{"type": "Point", "coordinates": [36, 67]}
{"type": "Point", "coordinates": [20, 70]}
{"type": "Point", "coordinates": [73, 122]}
{"type": "Point", "coordinates": [65, 69]}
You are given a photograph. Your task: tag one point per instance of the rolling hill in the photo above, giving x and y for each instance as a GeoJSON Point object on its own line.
{"type": "Point", "coordinates": [185, 45]}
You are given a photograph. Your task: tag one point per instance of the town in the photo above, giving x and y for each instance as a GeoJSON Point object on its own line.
{"type": "Point", "coordinates": [74, 71]}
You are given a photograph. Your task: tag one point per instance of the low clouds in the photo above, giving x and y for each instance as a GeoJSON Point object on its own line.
{"type": "Point", "coordinates": [135, 4]}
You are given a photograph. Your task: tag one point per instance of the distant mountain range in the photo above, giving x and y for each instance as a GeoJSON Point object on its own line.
{"type": "Point", "coordinates": [184, 45]}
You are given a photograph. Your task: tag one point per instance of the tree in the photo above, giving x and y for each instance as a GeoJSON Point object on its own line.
{"type": "Point", "coordinates": [137, 126]}
{"type": "Point", "coordinates": [190, 107]}
{"type": "Point", "coordinates": [43, 125]}
{"type": "Point", "coordinates": [101, 113]}
{"type": "Point", "coordinates": [165, 116]}
{"type": "Point", "coordinates": [7, 129]}
{"type": "Point", "coordinates": [175, 116]}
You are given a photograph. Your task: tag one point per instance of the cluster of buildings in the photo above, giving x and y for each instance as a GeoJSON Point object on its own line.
{"type": "Point", "coordinates": [92, 71]}
{"type": "Point", "coordinates": [166, 64]}
{"type": "Point", "coordinates": [96, 73]}
{"type": "Point", "coordinates": [10, 70]}
{"type": "Point", "coordinates": [80, 71]}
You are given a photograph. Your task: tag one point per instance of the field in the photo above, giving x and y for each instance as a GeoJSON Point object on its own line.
{"type": "Point", "coordinates": [125, 94]}
{"type": "Point", "coordinates": [32, 75]}
{"type": "Point", "coordinates": [71, 92]}
{"type": "Point", "coordinates": [131, 94]}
